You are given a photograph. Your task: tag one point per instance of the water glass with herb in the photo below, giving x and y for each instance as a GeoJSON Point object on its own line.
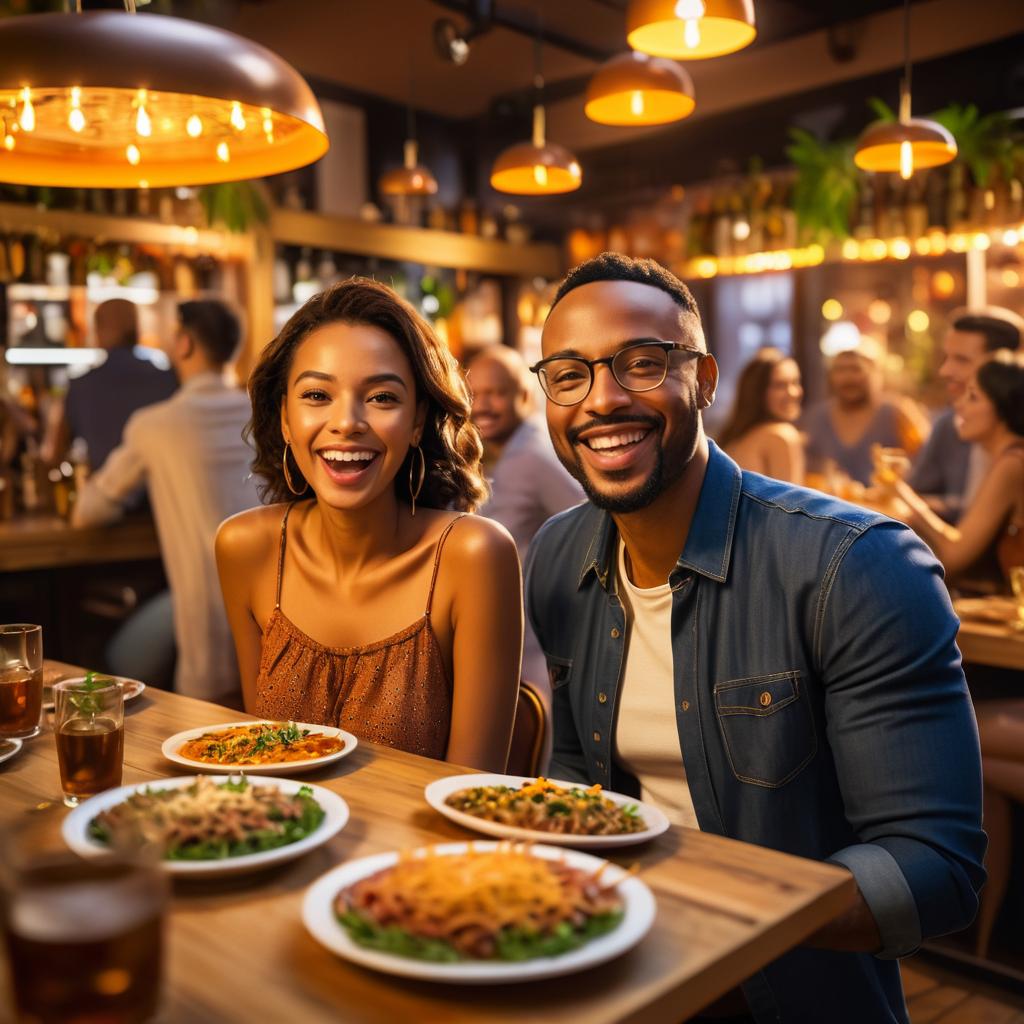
{"type": "Point", "coordinates": [89, 728]}
{"type": "Point", "coordinates": [21, 679]}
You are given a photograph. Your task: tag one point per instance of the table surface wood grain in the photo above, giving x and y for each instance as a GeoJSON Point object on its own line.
{"type": "Point", "coordinates": [237, 950]}
{"type": "Point", "coordinates": [48, 542]}
{"type": "Point", "coordinates": [987, 635]}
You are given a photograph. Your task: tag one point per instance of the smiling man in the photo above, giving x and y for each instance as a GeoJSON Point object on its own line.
{"type": "Point", "coordinates": [761, 661]}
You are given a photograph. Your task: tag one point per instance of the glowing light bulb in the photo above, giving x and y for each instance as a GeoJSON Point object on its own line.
{"type": "Point", "coordinates": [574, 170]}
{"type": "Point", "coordinates": [132, 153]}
{"type": "Point", "coordinates": [268, 125]}
{"type": "Point", "coordinates": [143, 125]}
{"type": "Point", "coordinates": [194, 126]}
{"type": "Point", "coordinates": [918, 321]}
{"type": "Point", "coordinates": [906, 159]}
{"type": "Point", "coordinates": [237, 117]}
{"type": "Point", "coordinates": [28, 112]}
{"type": "Point", "coordinates": [8, 142]}
{"type": "Point", "coordinates": [636, 103]}
{"type": "Point", "coordinates": [76, 119]}
{"type": "Point", "coordinates": [540, 175]}
{"type": "Point", "coordinates": [223, 153]}
{"type": "Point", "coordinates": [691, 33]}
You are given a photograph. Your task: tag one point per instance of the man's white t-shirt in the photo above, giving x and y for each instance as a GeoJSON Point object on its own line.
{"type": "Point", "coordinates": [646, 736]}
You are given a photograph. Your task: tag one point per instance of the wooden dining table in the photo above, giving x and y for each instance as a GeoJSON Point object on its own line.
{"type": "Point", "coordinates": [238, 951]}
{"type": "Point", "coordinates": [987, 635]}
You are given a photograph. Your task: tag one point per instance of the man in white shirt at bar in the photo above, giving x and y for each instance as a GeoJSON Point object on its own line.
{"type": "Point", "coordinates": [190, 454]}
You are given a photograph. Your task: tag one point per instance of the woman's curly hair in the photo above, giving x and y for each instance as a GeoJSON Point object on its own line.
{"type": "Point", "coordinates": [450, 443]}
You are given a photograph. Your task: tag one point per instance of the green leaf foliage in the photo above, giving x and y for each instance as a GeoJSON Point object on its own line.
{"type": "Point", "coordinates": [236, 205]}
{"type": "Point", "coordinates": [826, 188]}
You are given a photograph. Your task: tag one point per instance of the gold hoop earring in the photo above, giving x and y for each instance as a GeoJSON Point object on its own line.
{"type": "Point", "coordinates": [414, 492]}
{"type": "Point", "coordinates": [287, 475]}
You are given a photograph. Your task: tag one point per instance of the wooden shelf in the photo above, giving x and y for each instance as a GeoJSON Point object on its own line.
{"type": "Point", "coordinates": [100, 228]}
{"type": "Point", "coordinates": [416, 245]}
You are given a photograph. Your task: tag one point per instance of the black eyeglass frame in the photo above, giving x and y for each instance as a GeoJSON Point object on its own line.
{"type": "Point", "coordinates": [666, 346]}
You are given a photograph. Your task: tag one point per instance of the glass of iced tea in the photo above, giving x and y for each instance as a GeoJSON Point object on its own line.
{"type": "Point", "coordinates": [83, 938]}
{"type": "Point", "coordinates": [88, 725]}
{"type": "Point", "coordinates": [1017, 582]}
{"type": "Point", "coordinates": [21, 679]}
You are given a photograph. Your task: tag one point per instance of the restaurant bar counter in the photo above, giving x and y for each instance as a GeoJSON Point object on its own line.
{"type": "Point", "coordinates": [239, 951]}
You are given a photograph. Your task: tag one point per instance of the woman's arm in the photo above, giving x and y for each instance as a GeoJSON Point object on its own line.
{"type": "Point", "coordinates": [958, 547]}
{"type": "Point", "coordinates": [240, 544]}
{"type": "Point", "coordinates": [784, 453]}
{"type": "Point", "coordinates": [487, 628]}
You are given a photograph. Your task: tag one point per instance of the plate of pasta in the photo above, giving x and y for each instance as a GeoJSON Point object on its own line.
{"type": "Point", "coordinates": [201, 827]}
{"type": "Point", "coordinates": [272, 748]}
{"type": "Point", "coordinates": [545, 811]}
{"type": "Point", "coordinates": [479, 913]}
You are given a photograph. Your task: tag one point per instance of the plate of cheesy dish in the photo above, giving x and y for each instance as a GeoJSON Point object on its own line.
{"type": "Point", "coordinates": [479, 913]}
{"type": "Point", "coordinates": [272, 748]}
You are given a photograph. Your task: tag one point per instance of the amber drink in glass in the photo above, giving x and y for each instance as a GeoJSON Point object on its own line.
{"type": "Point", "coordinates": [21, 679]}
{"type": "Point", "coordinates": [89, 728]}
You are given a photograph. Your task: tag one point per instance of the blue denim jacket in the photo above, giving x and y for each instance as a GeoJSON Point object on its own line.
{"type": "Point", "coordinates": [865, 754]}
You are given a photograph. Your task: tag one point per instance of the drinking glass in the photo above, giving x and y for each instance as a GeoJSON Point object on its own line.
{"type": "Point", "coordinates": [88, 725]}
{"type": "Point", "coordinates": [21, 679]}
{"type": "Point", "coordinates": [83, 938]}
{"type": "Point", "coordinates": [1017, 583]}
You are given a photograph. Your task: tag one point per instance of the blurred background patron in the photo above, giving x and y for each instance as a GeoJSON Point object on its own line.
{"type": "Point", "coordinates": [190, 454]}
{"type": "Point", "coordinates": [761, 434]}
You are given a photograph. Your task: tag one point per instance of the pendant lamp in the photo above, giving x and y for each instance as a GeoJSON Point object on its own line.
{"type": "Point", "coordinates": [690, 29]}
{"type": "Point", "coordinates": [412, 178]}
{"type": "Point", "coordinates": [537, 167]}
{"type": "Point", "coordinates": [108, 99]}
{"type": "Point", "coordinates": [636, 89]}
{"type": "Point", "coordinates": [909, 143]}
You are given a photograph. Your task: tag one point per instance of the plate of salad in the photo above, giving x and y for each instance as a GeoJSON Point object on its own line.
{"type": "Point", "coordinates": [201, 826]}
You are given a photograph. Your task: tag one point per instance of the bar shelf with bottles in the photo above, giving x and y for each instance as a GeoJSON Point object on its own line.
{"type": "Point", "coordinates": [761, 223]}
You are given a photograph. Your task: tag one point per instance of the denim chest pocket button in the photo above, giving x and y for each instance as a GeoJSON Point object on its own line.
{"type": "Point", "coordinates": [767, 727]}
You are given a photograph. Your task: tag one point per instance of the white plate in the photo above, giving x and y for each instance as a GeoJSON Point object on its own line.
{"type": "Point", "coordinates": [76, 828]}
{"type": "Point", "coordinates": [173, 744]}
{"type": "Point", "coordinates": [9, 746]}
{"type": "Point", "coordinates": [132, 687]}
{"type": "Point", "coordinates": [318, 916]}
{"type": "Point", "coordinates": [439, 789]}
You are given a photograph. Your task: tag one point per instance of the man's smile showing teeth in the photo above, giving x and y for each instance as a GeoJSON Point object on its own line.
{"type": "Point", "coordinates": [611, 441]}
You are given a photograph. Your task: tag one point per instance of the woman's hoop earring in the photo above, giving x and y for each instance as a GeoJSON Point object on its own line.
{"type": "Point", "coordinates": [414, 492]}
{"type": "Point", "coordinates": [287, 475]}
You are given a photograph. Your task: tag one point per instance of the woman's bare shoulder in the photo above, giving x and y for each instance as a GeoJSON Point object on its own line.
{"type": "Point", "coordinates": [780, 433]}
{"type": "Point", "coordinates": [248, 535]}
{"type": "Point", "coordinates": [477, 537]}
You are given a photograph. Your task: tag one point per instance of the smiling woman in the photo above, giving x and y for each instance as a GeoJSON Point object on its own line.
{"type": "Point", "coordinates": [360, 412]}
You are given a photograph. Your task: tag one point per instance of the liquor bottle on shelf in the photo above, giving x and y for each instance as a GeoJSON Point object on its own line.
{"type": "Point", "coordinates": [721, 225]}
{"type": "Point", "coordinates": [915, 212]}
{"type": "Point", "coordinates": [956, 198]}
{"type": "Point", "coordinates": [935, 197]}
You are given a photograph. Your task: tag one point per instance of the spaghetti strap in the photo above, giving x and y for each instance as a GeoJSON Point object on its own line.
{"type": "Point", "coordinates": [437, 560]}
{"type": "Point", "coordinates": [280, 556]}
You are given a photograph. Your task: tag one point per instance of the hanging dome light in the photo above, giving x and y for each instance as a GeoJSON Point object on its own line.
{"type": "Point", "coordinates": [635, 89]}
{"type": "Point", "coordinates": [909, 143]}
{"type": "Point", "coordinates": [411, 179]}
{"type": "Point", "coordinates": [116, 100]}
{"type": "Point", "coordinates": [538, 167]}
{"type": "Point", "coordinates": [690, 29]}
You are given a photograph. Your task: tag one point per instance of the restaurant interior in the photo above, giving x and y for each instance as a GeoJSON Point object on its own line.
{"type": "Point", "coordinates": [829, 179]}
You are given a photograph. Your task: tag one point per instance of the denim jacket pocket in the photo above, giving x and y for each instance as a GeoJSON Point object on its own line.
{"type": "Point", "coordinates": [767, 727]}
{"type": "Point", "coordinates": [559, 670]}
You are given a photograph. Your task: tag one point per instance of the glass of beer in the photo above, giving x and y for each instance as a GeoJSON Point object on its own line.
{"type": "Point", "coordinates": [1017, 582]}
{"type": "Point", "coordinates": [88, 725]}
{"type": "Point", "coordinates": [83, 938]}
{"type": "Point", "coordinates": [21, 679]}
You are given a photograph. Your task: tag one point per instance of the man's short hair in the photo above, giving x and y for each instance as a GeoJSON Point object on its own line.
{"type": "Point", "coordinates": [508, 358]}
{"type": "Point", "coordinates": [613, 266]}
{"type": "Point", "coordinates": [118, 321]}
{"type": "Point", "coordinates": [999, 327]}
{"type": "Point", "coordinates": [213, 327]}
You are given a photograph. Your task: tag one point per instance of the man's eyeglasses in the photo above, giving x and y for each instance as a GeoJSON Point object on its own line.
{"type": "Point", "coordinates": [639, 366]}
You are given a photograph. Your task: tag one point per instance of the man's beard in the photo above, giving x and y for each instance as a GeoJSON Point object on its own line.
{"type": "Point", "coordinates": [669, 464]}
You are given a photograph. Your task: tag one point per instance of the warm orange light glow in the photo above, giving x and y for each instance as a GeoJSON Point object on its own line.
{"type": "Point", "coordinates": [173, 88]}
{"type": "Point", "coordinates": [896, 146]}
{"type": "Point", "coordinates": [634, 89]}
{"type": "Point", "coordinates": [537, 167]}
{"type": "Point", "coordinates": [690, 29]}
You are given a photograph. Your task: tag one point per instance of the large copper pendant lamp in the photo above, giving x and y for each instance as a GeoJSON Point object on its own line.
{"type": "Point", "coordinates": [636, 89]}
{"type": "Point", "coordinates": [690, 29]}
{"type": "Point", "coordinates": [111, 99]}
{"type": "Point", "coordinates": [412, 178]}
{"type": "Point", "coordinates": [537, 167]}
{"type": "Point", "coordinates": [909, 143]}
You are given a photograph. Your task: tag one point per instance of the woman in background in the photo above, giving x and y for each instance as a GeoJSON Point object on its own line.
{"type": "Point", "coordinates": [990, 413]}
{"type": "Point", "coordinates": [760, 433]}
{"type": "Point", "coordinates": [366, 598]}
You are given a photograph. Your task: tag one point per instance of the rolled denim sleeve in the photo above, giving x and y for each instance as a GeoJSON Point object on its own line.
{"type": "Point", "coordinates": [903, 736]}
